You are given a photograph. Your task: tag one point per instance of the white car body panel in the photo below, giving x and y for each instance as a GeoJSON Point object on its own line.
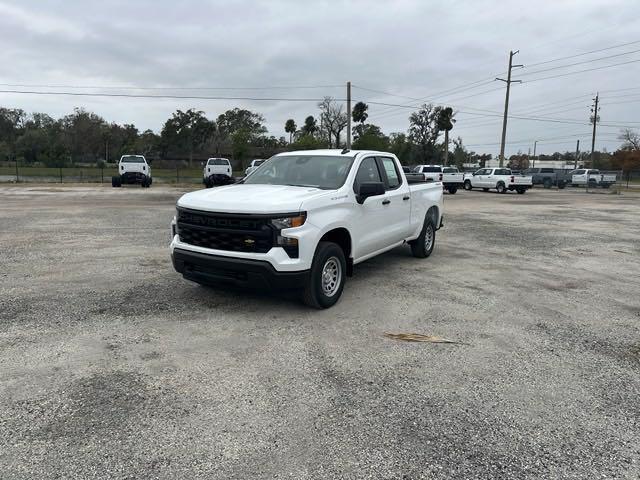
{"type": "Point", "coordinates": [127, 167]}
{"type": "Point", "coordinates": [594, 176]}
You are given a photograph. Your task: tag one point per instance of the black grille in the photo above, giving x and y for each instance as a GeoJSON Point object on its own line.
{"type": "Point", "coordinates": [237, 233]}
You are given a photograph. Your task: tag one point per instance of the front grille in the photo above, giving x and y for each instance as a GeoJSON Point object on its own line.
{"type": "Point", "coordinates": [236, 233]}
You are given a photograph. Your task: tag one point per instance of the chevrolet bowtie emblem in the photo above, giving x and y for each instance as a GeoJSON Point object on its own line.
{"type": "Point", "coordinates": [249, 241]}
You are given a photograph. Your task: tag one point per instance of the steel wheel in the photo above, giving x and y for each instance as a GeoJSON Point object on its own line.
{"type": "Point", "coordinates": [429, 237]}
{"type": "Point", "coordinates": [331, 276]}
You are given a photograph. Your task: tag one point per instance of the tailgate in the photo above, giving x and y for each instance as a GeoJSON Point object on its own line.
{"type": "Point", "coordinates": [519, 180]}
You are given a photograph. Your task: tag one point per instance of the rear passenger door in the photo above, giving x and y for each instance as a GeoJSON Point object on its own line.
{"type": "Point", "coordinates": [398, 208]}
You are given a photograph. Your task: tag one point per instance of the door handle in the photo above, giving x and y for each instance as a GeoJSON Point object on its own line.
{"type": "Point", "coordinates": [406, 198]}
{"type": "Point", "coordinates": [386, 202]}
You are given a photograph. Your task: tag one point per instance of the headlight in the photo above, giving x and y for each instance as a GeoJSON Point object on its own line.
{"type": "Point", "coordinates": [290, 245]}
{"type": "Point", "coordinates": [289, 222]}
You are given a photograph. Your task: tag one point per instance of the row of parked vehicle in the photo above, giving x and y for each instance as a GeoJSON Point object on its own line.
{"type": "Point", "coordinates": [558, 177]}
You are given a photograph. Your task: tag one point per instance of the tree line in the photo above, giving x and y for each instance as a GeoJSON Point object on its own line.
{"type": "Point", "coordinates": [85, 137]}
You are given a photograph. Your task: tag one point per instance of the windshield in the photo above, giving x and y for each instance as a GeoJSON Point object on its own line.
{"type": "Point", "coordinates": [218, 161]}
{"type": "Point", "coordinates": [321, 171]}
{"type": "Point", "coordinates": [132, 159]}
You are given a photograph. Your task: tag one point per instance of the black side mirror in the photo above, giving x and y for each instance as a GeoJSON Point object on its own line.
{"type": "Point", "coordinates": [369, 189]}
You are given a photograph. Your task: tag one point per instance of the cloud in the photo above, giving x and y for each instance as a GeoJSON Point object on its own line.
{"type": "Point", "coordinates": [408, 48]}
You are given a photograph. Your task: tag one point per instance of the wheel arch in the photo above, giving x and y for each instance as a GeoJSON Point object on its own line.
{"type": "Point", "coordinates": [341, 237]}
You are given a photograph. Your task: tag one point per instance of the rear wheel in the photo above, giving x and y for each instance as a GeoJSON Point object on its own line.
{"type": "Point", "coordinates": [521, 190]}
{"type": "Point", "coordinates": [547, 183]}
{"type": "Point", "coordinates": [422, 246]}
{"type": "Point", "coordinates": [328, 273]}
{"type": "Point", "coordinates": [501, 188]}
{"type": "Point", "coordinates": [561, 185]}
{"type": "Point", "coordinates": [467, 185]}
{"type": "Point", "coordinates": [453, 190]}
{"type": "Point", "coordinates": [116, 182]}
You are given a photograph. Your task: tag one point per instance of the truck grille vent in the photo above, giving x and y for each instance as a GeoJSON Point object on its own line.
{"type": "Point", "coordinates": [237, 233]}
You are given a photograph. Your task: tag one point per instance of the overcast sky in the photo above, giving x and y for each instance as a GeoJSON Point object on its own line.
{"type": "Point", "coordinates": [418, 49]}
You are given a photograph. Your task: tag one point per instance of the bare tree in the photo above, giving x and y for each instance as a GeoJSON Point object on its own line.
{"type": "Point", "coordinates": [424, 130]}
{"type": "Point", "coordinates": [333, 119]}
{"type": "Point", "coordinates": [630, 139]}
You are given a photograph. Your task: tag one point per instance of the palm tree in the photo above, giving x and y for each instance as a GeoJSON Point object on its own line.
{"type": "Point", "coordinates": [445, 122]}
{"type": "Point", "coordinates": [359, 115]}
{"type": "Point", "coordinates": [290, 127]}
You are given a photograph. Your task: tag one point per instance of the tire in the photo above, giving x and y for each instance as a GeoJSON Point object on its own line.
{"type": "Point", "coordinates": [606, 185]}
{"type": "Point", "coordinates": [485, 189]}
{"type": "Point", "coordinates": [521, 191]}
{"type": "Point", "coordinates": [453, 190]}
{"type": "Point", "coordinates": [116, 182]}
{"type": "Point", "coordinates": [467, 185]}
{"type": "Point", "coordinates": [561, 185]}
{"type": "Point", "coordinates": [546, 183]}
{"type": "Point", "coordinates": [501, 188]}
{"type": "Point", "coordinates": [324, 288]}
{"type": "Point", "coordinates": [422, 246]}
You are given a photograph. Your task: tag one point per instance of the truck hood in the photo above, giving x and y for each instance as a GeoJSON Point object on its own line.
{"type": "Point", "coordinates": [250, 198]}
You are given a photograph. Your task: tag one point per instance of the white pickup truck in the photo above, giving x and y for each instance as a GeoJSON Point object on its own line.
{"type": "Point", "coordinates": [450, 177]}
{"type": "Point", "coordinates": [217, 170]}
{"type": "Point", "coordinates": [253, 165]}
{"type": "Point", "coordinates": [132, 169]}
{"type": "Point", "coordinates": [303, 220]}
{"type": "Point", "coordinates": [500, 179]}
{"type": "Point", "coordinates": [592, 178]}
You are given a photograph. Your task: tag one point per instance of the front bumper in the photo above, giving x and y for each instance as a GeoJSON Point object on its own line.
{"type": "Point", "coordinates": [214, 269]}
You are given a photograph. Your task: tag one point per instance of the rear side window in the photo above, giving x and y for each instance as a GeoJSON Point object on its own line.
{"type": "Point", "coordinates": [431, 169]}
{"type": "Point", "coordinates": [219, 161]}
{"type": "Point", "coordinates": [367, 172]}
{"type": "Point", "coordinates": [132, 159]}
{"type": "Point", "coordinates": [450, 170]}
{"type": "Point", "coordinates": [546, 170]}
{"type": "Point", "coordinates": [393, 177]}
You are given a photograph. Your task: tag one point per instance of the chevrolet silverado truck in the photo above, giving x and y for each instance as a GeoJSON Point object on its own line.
{"type": "Point", "coordinates": [549, 177]}
{"type": "Point", "coordinates": [217, 171]}
{"type": "Point", "coordinates": [253, 165]}
{"type": "Point", "coordinates": [450, 177]}
{"type": "Point", "coordinates": [500, 179]}
{"type": "Point", "coordinates": [132, 169]}
{"type": "Point", "coordinates": [592, 178]}
{"type": "Point", "coordinates": [303, 220]}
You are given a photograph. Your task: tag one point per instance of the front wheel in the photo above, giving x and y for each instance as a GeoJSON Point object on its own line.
{"type": "Point", "coordinates": [422, 246]}
{"type": "Point", "coordinates": [467, 185]}
{"type": "Point", "coordinates": [328, 273]}
{"type": "Point", "coordinates": [453, 190]}
{"type": "Point", "coordinates": [501, 188]}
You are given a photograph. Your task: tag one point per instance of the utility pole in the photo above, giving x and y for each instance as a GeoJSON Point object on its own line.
{"type": "Point", "coordinates": [508, 81]}
{"type": "Point", "coordinates": [575, 164]}
{"type": "Point", "coordinates": [535, 144]}
{"type": "Point", "coordinates": [348, 116]}
{"type": "Point", "coordinates": [594, 119]}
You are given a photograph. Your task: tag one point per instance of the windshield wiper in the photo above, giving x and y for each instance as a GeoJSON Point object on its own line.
{"type": "Point", "coordinates": [301, 185]}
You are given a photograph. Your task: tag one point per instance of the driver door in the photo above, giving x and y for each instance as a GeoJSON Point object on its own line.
{"type": "Point", "coordinates": [371, 219]}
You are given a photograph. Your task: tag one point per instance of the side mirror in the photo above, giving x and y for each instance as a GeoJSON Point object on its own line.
{"type": "Point", "coordinates": [369, 189]}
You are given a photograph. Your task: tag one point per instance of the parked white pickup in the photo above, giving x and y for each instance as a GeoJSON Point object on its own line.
{"type": "Point", "coordinates": [303, 220]}
{"type": "Point", "coordinates": [595, 178]}
{"type": "Point", "coordinates": [500, 179]}
{"type": "Point", "coordinates": [450, 177]}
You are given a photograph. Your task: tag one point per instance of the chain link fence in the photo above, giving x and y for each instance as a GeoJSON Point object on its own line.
{"type": "Point", "coordinates": [29, 174]}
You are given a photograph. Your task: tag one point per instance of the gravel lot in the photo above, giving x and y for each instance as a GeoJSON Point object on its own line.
{"type": "Point", "coordinates": [113, 366]}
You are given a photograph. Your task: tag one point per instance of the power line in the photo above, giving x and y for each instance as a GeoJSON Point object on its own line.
{"type": "Point", "coordinates": [580, 63]}
{"type": "Point", "coordinates": [584, 53]}
{"type": "Point", "coordinates": [582, 71]}
{"type": "Point", "coordinates": [164, 96]}
{"type": "Point", "coordinates": [104, 87]}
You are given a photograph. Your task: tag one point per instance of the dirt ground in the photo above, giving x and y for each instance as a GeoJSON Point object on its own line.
{"type": "Point", "coordinates": [113, 366]}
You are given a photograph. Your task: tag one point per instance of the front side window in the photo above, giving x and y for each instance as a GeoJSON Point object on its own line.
{"type": "Point", "coordinates": [327, 172]}
{"type": "Point", "coordinates": [393, 177]}
{"type": "Point", "coordinates": [367, 172]}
